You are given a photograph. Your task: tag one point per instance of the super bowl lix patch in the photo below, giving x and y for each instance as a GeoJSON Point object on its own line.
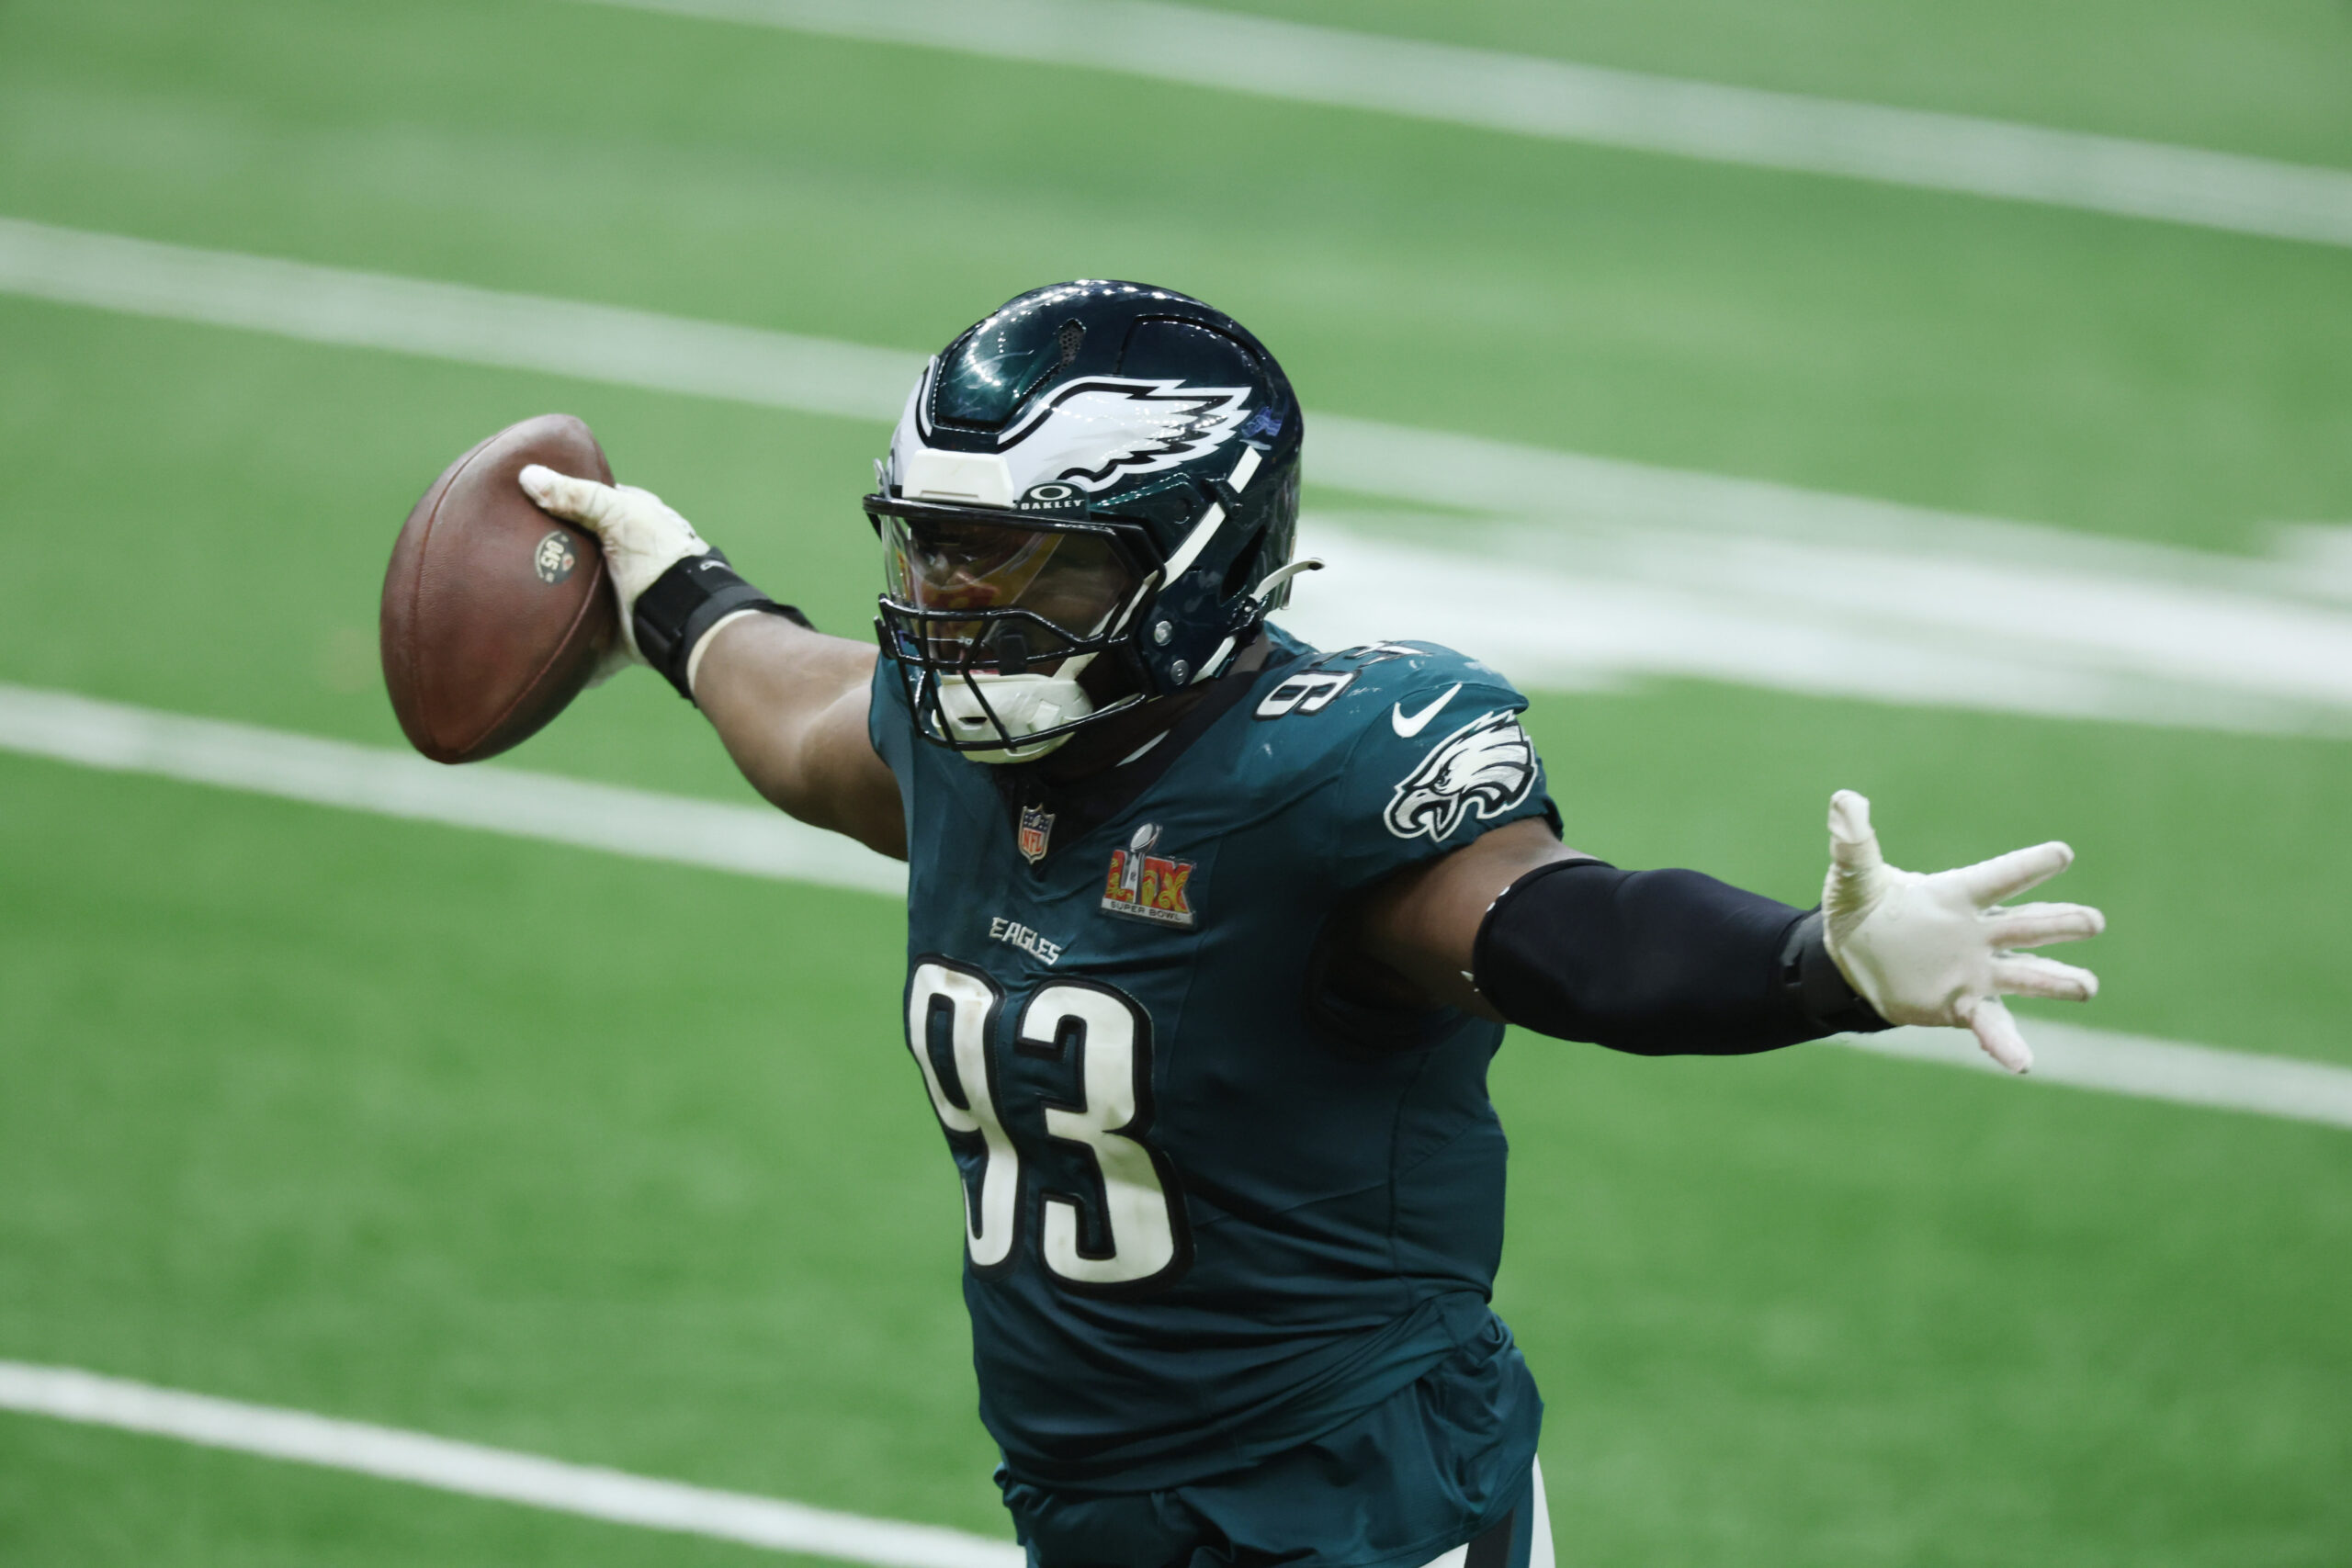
{"type": "Point", "coordinates": [1148, 887]}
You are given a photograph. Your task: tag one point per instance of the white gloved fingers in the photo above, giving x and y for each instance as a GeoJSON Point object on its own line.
{"type": "Point", "coordinates": [2025, 975]}
{"type": "Point", "coordinates": [574, 500]}
{"type": "Point", "coordinates": [1936, 950]}
{"type": "Point", "coordinates": [2036, 925]}
{"type": "Point", "coordinates": [1996, 1031]}
{"type": "Point", "coordinates": [642, 536]}
{"type": "Point", "coordinates": [2004, 877]}
{"type": "Point", "coordinates": [650, 506]}
{"type": "Point", "coordinates": [608, 509]}
{"type": "Point", "coordinates": [1853, 844]}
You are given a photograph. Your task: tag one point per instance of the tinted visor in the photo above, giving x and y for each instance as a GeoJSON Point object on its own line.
{"type": "Point", "coordinates": [986, 595]}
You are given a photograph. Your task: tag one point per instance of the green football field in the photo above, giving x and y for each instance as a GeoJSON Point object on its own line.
{"type": "Point", "coordinates": [622, 1162]}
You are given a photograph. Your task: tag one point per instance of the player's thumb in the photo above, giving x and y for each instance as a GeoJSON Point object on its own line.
{"type": "Point", "coordinates": [1853, 843]}
{"type": "Point", "coordinates": [573, 500]}
{"type": "Point", "coordinates": [1852, 884]}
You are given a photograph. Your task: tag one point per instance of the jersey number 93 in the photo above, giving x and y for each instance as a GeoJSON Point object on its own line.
{"type": "Point", "coordinates": [1103, 1039]}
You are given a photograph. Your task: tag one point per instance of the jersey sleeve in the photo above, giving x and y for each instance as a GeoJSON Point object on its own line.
{"type": "Point", "coordinates": [1437, 761]}
{"type": "Point", "coordinates": [889, 722]}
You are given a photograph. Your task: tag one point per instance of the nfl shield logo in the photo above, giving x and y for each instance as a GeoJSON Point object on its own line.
{"type": "Point", "coordinates": [1036, 827]}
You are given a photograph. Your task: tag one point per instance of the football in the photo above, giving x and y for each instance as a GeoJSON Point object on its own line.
{"type": "Point", "coordinates": [494, 614]}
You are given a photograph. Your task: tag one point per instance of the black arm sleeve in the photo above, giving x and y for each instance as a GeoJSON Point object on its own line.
{"type": "Point", "coordinates": [1660, 964]}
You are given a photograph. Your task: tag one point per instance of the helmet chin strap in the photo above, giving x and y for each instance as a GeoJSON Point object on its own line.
{"type": "Point", "coordinates": [1018, 706]}
{"type": "Point", "coordinates": [1015, 707]}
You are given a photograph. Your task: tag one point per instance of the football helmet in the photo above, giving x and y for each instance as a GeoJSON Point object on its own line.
{"type": "Point", "coordinates": [1089, 502]}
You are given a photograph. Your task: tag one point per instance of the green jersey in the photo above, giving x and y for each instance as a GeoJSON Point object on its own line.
{"type": "Point", "coordinates": [1213, 1209]}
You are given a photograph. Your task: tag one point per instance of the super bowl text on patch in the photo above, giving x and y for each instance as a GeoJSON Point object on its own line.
{"type": "Point", "coordinates": [1025, 938]}
{"type": "Point", "coordinates": [1148, 887]}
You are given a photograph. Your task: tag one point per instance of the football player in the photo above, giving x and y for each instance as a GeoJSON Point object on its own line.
{"type": "Point", "coordinates": [1211, 936]}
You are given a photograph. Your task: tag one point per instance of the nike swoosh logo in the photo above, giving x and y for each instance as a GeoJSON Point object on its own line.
{"type": "Point", "coordinates": [1412, 724]}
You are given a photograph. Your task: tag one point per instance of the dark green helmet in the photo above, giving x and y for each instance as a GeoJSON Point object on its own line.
{"type": "Point", "coordinates": [1087, 504]}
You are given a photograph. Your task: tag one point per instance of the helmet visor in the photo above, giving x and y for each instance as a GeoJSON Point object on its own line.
{"type": "Point", "coordinates": [960, 575]}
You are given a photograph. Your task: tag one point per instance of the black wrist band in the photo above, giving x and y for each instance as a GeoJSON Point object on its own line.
{"type": "Point", "coordinates": [1813, 984]}
{"type": "Point", "coordinates": [682, 604]}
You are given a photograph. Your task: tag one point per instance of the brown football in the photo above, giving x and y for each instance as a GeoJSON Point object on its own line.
{"type": "Point", "coordinates": [495, 613]}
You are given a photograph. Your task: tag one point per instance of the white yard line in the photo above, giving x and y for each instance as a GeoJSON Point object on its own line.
{"type": "Point", "coordinates": [1592, 568]}
{"type": "Point", "coordinates": [1557, 100]}
{"type": "Point", "coordinates": [1559, 606]}
{"type": "Point", "coordinates": [752, 840]}
{"type": "Point", "coordinates": [393, 1455]}
{"type": "Point", "coordinates": [123, 738]}
{"type": "Point", "coordinates": [2134, 1064]}
{"type": "Point", "coordinates": [445, 320]}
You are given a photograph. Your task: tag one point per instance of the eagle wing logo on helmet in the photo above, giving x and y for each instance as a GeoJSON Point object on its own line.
{"type": "Point", "coordinates": [1101, 431]}
{"type": "Point", "coordinates": [1486, 766]}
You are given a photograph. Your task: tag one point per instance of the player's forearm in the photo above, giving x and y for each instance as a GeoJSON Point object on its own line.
{"type": "Point", "coordinates": [790, 705]}
{"type": "Point", "coordinates": [1660, 962]}
{"type": "Point", "coordinates": [1520, 927]}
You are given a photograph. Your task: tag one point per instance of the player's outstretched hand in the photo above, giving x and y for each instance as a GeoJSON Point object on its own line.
{"type": "Point", "coordinates": [1941, 950]}
{"type": "Point", "coordinates": [642, 536]}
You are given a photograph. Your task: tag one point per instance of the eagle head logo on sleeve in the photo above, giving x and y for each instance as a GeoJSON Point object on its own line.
{"type": "Point", "coordinates": [1486, 766]}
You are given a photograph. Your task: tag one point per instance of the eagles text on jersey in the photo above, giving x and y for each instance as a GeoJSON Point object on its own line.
{"type": "Point", "coordinates": [1211, 1211]}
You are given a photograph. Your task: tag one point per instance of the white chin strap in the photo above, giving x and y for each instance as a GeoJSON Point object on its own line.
{"type": "Point", "coordinates": [1022, 704]}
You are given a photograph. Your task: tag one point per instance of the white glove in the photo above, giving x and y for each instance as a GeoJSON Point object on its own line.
{"type": "Point", "coordinates": [641, 536]}
{"type": "Point", "coordinates": [1937, 950]}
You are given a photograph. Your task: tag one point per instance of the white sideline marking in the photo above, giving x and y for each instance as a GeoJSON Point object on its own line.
{"type": "Point", "coordinates": [640, 823]}
{"type": "Point", "coordinates": [1618, 569]}
{"type": "Point", "coordinates": [1558, 100]}
{"type": "Point", "coordinates": [446, 320]}
{"type": "Point", "coordinates": [392, 1455]}
{"type": "Point", "coordinates": [647, 826]}
{"type": "Point", "coordinates": [2135, 1064]}
{"type": "Point", "coordinates": [1558, 607]}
